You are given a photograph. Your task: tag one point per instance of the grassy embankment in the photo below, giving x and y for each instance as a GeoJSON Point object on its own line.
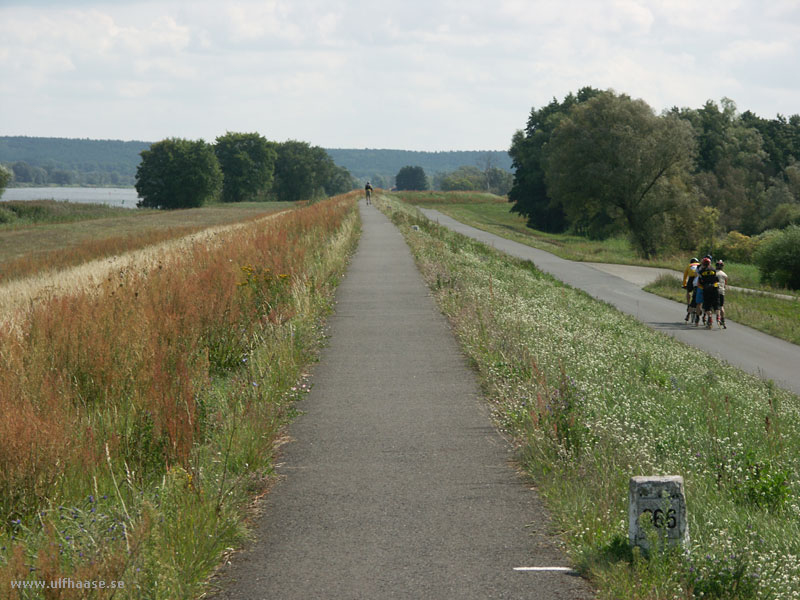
{"type": "Point", "coordinates": [774, 316]}
{"type": "Point", "coordinates": [592, 397]}
{"type": "Point", "coordinates": [47, 235]}
{"type": "Point", "coordinates": [137, 421]}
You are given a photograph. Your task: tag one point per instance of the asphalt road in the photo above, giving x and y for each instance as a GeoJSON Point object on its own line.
{"type": "Point", "coordinates": [746, 348]}
{"type": "Point", "coordinates": [397, 485]}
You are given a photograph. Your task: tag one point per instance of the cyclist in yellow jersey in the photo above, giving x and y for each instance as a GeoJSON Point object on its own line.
{"type": "Point", "coordinates": [689, 274]}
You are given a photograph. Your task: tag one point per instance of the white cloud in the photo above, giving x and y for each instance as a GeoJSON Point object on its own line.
{"type": "Point", "coordinates": [420, 74]}
{"type": "Point", "coordinates": [755, 50]}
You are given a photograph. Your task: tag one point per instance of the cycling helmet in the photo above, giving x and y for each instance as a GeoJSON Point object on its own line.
{"type": "Point", "coordinates": [720, 263]}
{"type": "Point", "coordinates": [706, 260]}
{"type": "Point", "coordinates": [697, 260]}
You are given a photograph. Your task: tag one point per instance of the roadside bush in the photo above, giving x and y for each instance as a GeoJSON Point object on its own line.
{"type": "Point", "coordinates": [7, 216]}
{"type": "Point", "coordinates": [778, 258]}
{"type": "Point", "coordinates": [5, 178]}
{"type": "Point", "coordinates": [737, 247]}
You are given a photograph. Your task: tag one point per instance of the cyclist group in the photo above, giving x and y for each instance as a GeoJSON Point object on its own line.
{"type": "Point", "coordinates": [705, 292]}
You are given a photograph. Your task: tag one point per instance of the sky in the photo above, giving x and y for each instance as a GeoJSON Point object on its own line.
{"type": "Point", "coordinates": [429, 75]}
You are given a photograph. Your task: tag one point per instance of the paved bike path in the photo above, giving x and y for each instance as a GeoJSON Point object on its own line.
{"type": "Point", "coordinates": [397, 485]}
{"type": "Point", "coordinates": [741, 346]}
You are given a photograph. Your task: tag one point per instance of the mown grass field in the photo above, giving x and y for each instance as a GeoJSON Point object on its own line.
{"type": "Point", "coordinates": [65, 234]}
{"type": "Point", "coordinates": [139, 419]}
{"type": "Point", "coordinates": [592, 397]}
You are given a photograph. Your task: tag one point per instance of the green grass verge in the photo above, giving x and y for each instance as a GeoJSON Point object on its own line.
{"type": "Point", "coordinates": [497, 218]}
{"type": "Point", "coordinates": [775, 316]}
{"type": "Point", "coordinates": [592, 397]}
{"type": "Point", "coordinates": [15, 214]}
{"type": "Point", "coordinates": [431, 197]}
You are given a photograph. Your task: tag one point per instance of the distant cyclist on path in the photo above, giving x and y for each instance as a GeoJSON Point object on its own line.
{"type": "Point", "coordinates": [368, 192]}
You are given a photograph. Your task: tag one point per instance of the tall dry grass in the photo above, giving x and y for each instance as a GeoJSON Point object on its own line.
{"type": "Point", "coordinates": [40, 261]}
{"type": "Point", "coordinates": [114, 380]}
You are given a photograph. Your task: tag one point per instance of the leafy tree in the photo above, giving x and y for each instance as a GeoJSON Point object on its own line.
{"type": "Point", "coordinates": [62, 176]}
{"type": "Point", "coordinates": [378, 181]}
{"type": "Point", "coordinates": [178, 173]}
{"type": "Point", "coordinates": [303, 172]}
{"type": "Point", "coordinates": [338, 180]}
{"type": "Point", "coordinates": [463, 179]}
{"type": "Point", "coordinates": [499, 181]}
{"type": "Point", "coordinates": [708, 219]}
{"type": "Point", "coordinates": [467, 178]}
{"type": "Point", "coordinates": [6, 175]}
{"type": "Point", "coordinates": [778, 258]}
{"type": "Point", "coordinates": [613, 157]}
{"type": "Point", "coordinates": [247, 161]}
{"type": "Point", "coordinates": [26, 173]}
{"type": "Point", "coordinates": [411, 178]}
{"type": "Point", "coordinates": [329, 179]}
{"type": "Point", "coordinates": [733, 171]}
{"type": "Point", "coordinates": [529, 191]}
{"type": "Point", "coordinates": [294, 172]}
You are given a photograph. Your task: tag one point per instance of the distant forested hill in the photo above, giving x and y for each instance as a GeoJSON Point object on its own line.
{"type": "Point", "coordinates": [64, 161]}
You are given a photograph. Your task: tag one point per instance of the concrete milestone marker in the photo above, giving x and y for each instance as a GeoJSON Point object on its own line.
{"type": "Point", "coordinates": [657, 510]}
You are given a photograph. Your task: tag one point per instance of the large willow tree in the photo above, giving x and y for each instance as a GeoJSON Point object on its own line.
{"type": "Point", "coordinates": [612, 156]}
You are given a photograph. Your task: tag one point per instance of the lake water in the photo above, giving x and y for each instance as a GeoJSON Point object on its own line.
{"type": "Point", "coordinates": [125, 197]}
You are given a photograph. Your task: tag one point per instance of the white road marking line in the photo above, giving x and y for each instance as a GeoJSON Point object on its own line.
{"type": "Point", "coordinates": [556, 569]}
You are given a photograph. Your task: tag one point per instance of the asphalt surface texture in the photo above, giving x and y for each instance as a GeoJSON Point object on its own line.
{"type": "Point", "coordinates": [396, 484]}
{"type": "Point", "coordinates": [750, 350]}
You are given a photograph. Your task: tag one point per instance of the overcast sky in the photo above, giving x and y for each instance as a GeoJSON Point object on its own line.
{"type": "Point", "coordinates": [407, 74]}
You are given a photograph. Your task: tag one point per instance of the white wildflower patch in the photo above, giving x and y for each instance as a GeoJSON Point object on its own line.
{"type": "Point", "coordinates": [593, 397]}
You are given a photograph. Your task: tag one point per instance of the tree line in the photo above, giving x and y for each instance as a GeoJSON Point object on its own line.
{"type": "Point", "coordinates": [94, 175]}
{"type": "Point", "coordinates": [484, 178]}
{"type": "Point", "coordinates": [380, 166]}
{"type": "Point", "coordinates": [38, 161]}
{"type": "Point", "coordinates": [181, 173]}
{"type": "Point", "coordinates": [599, 163]}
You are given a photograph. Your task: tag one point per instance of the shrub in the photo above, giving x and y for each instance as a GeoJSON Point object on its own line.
{"type": "Point", "coordinates": [737, 247]}
{"type": "Point", "coordinates": [6, 175]}
{"type": "Point", "coordinates": [7, 215]}
{"type": "Point", "coordinates": [778, 258]}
